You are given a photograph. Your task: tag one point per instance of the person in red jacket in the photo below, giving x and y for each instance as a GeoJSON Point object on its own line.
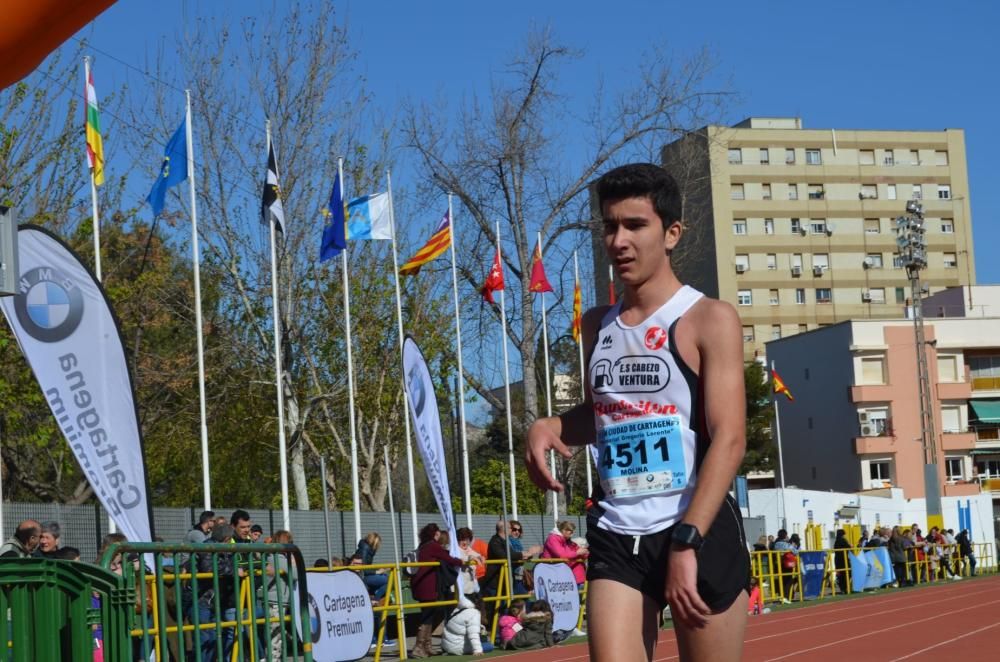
{"type": "Point", "coordinates": [425, 586]}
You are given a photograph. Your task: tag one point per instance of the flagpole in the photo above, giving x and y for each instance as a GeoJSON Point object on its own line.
{"type": "Point", "coordinates": [461, 376]}
{"type": "Point", "coordinates": [781, 459]}
{"type": "Point", "coordinates": [196, 253]}
{"type": "Point", "coordinates": [282, 448]}
{"type": "Point", "coordinates": [506, 385]}
{"type": "Point", "coordinates": [392, 518]}
{"type": "Point", "coordinates": [93, 187]}
{"type": "Point", "coordinates": [355, 489]}
{"type": "Point", "coordinates": [399, 328]}
{"type": "Point", "coordinates": [583, 372]}
{"type": "Point", "coordinates": [548, 394]}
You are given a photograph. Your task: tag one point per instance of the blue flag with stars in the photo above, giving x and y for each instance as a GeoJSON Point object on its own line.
{"type": "Point", "coordinates": [173, 171]}
{"type": "Point", "coordinates": [335, 230]}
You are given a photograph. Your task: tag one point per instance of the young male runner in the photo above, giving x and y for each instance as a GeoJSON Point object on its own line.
{"type": "Point", "coordinates": [665, 409]}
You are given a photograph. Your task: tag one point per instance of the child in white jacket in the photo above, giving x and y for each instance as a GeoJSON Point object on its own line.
{"type": "Point", "coordinates": [461, 630]}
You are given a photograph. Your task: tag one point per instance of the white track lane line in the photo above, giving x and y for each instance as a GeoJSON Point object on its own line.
{"type": "Point", "coordinates": [949, 641]}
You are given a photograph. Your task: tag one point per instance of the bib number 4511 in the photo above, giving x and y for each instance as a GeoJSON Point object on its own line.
{"type": "Point", "coordinates": [625, 453]}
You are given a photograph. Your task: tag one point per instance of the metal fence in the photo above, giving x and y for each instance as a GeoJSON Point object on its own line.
{"type": "Point", "coordinates": [84, 526]}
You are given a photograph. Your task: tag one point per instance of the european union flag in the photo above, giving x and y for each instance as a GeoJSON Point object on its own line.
{"type": "Point", "coordinates": [334, 232]}
{"type": "Point", "coordinates": [173, 171]}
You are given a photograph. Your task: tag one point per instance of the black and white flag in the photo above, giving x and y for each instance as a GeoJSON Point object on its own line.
{"type": "Point", "coordinates": [271, 200]}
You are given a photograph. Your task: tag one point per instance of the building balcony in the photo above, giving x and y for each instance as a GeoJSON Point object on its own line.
{"type": "Point", "coordinates": [958, 441]}
{"type": "Point", "coordinates": [990, 485]}
{"type": "Point", "coordinates": [871, 393]}
{"type": "Point", "coordinates": [961, 489]}
{"type": "Point", "coordinates": [954, 390]}
{"type": "Point", "coordinates": [870, 445]}
{"type": "Point", "coordinates": [986, 384]}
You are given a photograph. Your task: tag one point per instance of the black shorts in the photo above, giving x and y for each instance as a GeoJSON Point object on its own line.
{"type": "Point", "coordinates": [723, 560]}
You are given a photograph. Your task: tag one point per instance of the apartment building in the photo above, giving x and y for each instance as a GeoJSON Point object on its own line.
{"type": "Point", "coordinates": [795, 226]}
{"type": "Point", "coordinates": [855, 421]}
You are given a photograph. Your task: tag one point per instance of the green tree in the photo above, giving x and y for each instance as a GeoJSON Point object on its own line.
{"type": "Point", "coordinates": [760, 446]}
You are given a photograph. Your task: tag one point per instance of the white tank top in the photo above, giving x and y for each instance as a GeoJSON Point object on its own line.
{"type": "Point", "coordinates": [646, 413]}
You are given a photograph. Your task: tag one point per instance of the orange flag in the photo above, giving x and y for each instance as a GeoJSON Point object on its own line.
{"type": "Point", "coordinates": [539, 283]}
{"type": "Point", "coordinates": [494, 279]}
{"type": "Point", "coordinates": [779, 386]}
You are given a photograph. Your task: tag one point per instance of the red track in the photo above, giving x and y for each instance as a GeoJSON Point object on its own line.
{"type": "Point", "coordinates": [954, 620]}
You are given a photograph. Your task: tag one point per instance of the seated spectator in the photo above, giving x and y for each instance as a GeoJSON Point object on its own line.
{"type": "Point", "coordinates": [376, 580]}
{"type": "Point", "coordinates": [48, 541]}
{"type": "Point", "coordinates": [23, 542]}
{"type": "Point", "coordinates": [560, 545]}
{"type": "Point", "coordinates": [462, 629]}
{"type": "Point", "coordinates": [536, 628]}
{"type": "Point", "coordinates": [510, 622]}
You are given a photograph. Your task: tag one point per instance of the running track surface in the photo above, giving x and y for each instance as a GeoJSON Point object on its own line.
{"type": "Point", "coordinates": [957, 620]}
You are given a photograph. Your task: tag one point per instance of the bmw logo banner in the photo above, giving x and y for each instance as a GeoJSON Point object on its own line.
{"type": "Point", "coordinates": [68, 334]}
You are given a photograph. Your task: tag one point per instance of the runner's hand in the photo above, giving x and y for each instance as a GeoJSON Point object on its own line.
{"type": "Point", "coordinates": [542, 439]}
{"type": "Point", "coordinates": [682, 589]}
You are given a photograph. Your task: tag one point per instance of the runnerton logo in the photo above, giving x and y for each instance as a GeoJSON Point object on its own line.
{"type": "Point", "coordinates": [48, 305]}
{"type": "Point", "coordinates": [655, 338]}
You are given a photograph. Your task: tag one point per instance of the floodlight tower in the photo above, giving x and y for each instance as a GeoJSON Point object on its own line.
{"type": "Point", "coordinates": [912, 243]}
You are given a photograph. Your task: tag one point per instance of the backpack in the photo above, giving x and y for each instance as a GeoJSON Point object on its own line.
{"type": "Point", "coordinates": [410, 557]}
{"type": "Point", "coordinates": [789, 561]}
{"type": "Point", "coordinates": [447, 576]}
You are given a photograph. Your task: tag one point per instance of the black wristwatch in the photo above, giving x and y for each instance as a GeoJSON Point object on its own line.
{"type": "Point", "coordinates": [687, 536]}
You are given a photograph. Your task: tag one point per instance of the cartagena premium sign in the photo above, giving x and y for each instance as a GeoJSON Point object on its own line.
{"type": "Point", "coordinates": [341, 619]}
{"type": "Point", "coordinates": [555, 583]}
{"type": "Point", "coordinates": [69, 336]}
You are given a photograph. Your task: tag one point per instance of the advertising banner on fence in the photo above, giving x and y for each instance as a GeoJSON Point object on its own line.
{"type": "Point", "coordinates": [879, 568]}
{"type": "Point", "coordinates": [70, 338]}
{"type": "Point", "coordinates": [427, 430]}
{"type": "Point", "coordinates": [555, 583]}
{"type": "Point", "coordinates": [813, 572]}
{"type": "Point", "coordinates": [340, 616]}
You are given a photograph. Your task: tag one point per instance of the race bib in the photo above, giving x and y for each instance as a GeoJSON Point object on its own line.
{"type": "Point", "coordinates": [642, 457]}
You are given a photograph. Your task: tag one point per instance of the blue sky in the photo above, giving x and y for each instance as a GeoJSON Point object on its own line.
{"type": "Point", "coordinates": [878, 65]}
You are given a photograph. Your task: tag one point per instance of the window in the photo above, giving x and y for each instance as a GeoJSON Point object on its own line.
{"type": "Point", "coordinates": [775, 332]}
{"type": "Point", "coordinates": [815, 191]}
{"type": "Point", "coordinates": [736, 192]}
{"type": "Point", "coordinates": [789, 156]}
{"type": "Point", "coordinates": [944, 192]}
{"type": "Point", "coordinates": [889, 159]}
{"type": "Point", "coordinates": [797, 260]}
{"type": "Point", "coordinates": [981, 367]}
{"type": "Point", "coordinates": [748, 334]}
{"type": "Point", "coordinates": [872, 226]}
{"type": "Point", "coordinates": [918, 192]}
{"type": "Point", "coordinates": [950, 261]}
{"type": "Point", "coordinates": [900, 295]}
{"type": "Point", "coordinates": [740, 227]}
{"type": "Point", "coordinates": [793, 191]}
{"type": "Point", "coordinates": [953, 469]}
{"type": "Point", "coordinates": [823, 295]}
{"type": "Point", "coordinates": [814, 157]}
{"type": "Point", "coordinates": [890, 191]}
{"type": "Point", "coordinates": [772, 297]}
{"type": "Point", "coordinates": [951, 418]}
{"type": "Point", "coordinates": [744, 298]}
{"type": "Point", "coordinates": [947, 365]}
{"type": "Point", "coordinates": [821, 260]}
{"type": "Point", "coordinates": [817, 226]}
{"type": "Point", "coordinates": [873, 260]}
{"type": "Point", "coordinates": [765, 156]}
{"type": "Point", "coordinates": [765, 191]}
{"type": "Point", "coordinates": [872, 370]}
{"type": "Point", "coordinates": [768, 226]}
{"type": "Point", "coordinates": [988, 468]}
{"type": "Point", "coordinates": [869, 192]}
{"type": "Point", "coordinates": [866, 157]}
{"type": "Point", "coordinates": [947, 226]}
{"type": "Point", "coordinates": [800, 297]}
{"type": "Point", "coordinates": [796, 226]}
{"type": "Point", "coordinates": [914, 157]}
{"type": "Point", "coordinates": [879, 420]}
{"type": "Point", "coordinates": [735, 156]}
{"type": "Point", "coordinates": [876, 295]}
{"type": "Point", "coordinates": [897, 261]}
{"type": "Point", "coordinates": [742, 263]}
{"type": "Point", "coordinates": [940, 158]}
{"type": "Point", "coordinates": [878, 472]}
{"type": "Point", "coordinates": [772, 261]}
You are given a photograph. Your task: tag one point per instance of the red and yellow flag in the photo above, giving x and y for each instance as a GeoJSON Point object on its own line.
{"type": "Point", "coordinates": [577, 311]}
{"type": "Point", "coordinates": [436, 245]}
{"type": "Point", "coordinates": [494, 279]}
{"type": "Point", "coordinates": [779, 386]}
{"type": "Point", "coordinates": [95, 146]}
{"type": "Point", "coordinates": [539, 283]}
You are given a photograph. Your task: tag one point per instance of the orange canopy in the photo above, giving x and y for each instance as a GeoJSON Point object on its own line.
{"type": "Point", "coordinates": [31, 29]}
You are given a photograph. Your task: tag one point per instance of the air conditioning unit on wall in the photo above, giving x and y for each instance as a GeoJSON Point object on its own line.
{"type": "Point", "coordinates": [741, 268]}
{"type": "Point", "coordinates": [796, 271]}
{"type": "Point", "coordinates": [863, 418]}
{"type": "Point", "coordinates": [869, 430]}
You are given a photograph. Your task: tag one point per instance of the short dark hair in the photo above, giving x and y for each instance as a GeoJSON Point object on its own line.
{"type": "Point", "coordinates": [239, 515]}
{"type": "Point", "coordinates": [464, 533]}
{"type": "Point", "coordinates": [321, 563]}
{"type": "Point", "coordinates": [27, 529]}
{"type": "Point", "coordinates": [642, 180]}
{"type": "Point", "coordinates": [427, 533]}
{"type": "Point", "coordinates": [206, 516]}
{"type": "Point", "coordinates": [67, 553]}
{"type": "Point", "coordinates": [256, 528]}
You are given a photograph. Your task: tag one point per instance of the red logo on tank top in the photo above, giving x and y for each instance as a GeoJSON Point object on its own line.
{"type": "Point", "coordinates": [656, 337]}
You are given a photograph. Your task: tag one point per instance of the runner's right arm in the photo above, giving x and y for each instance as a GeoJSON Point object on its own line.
{"type": "Point", "coordinates": [574, 427]}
